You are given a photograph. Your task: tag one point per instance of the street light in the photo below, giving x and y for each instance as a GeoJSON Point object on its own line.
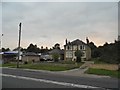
{"type": "Point", "coordinates": [19, 45]}
{"type": "Point", "coordinates": [1, 48]}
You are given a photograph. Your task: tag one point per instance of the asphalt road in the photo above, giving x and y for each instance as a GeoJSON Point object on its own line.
{"type": "Point", "coordinates": [18, 78]}
{"type": "Point", "coordinates": [9, 82]}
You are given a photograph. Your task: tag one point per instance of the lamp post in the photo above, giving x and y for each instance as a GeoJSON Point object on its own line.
{"type": "Point", "coordinates": [19, 45]}
{"type": "Point", "coordinates": [1, 48]}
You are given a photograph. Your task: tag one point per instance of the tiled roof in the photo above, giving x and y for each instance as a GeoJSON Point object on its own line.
{"type": "Point", "coordinates": [56, 51]}
{"type": "Point", "coordinates": [77, 42]}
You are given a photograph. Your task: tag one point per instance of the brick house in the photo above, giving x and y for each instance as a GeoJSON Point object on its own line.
{"type": "Point", "coordinates": [71, 47]}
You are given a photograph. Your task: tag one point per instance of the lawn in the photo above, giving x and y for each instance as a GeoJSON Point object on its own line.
{"type": "Point", "coordinates": [9, 65]}
{"type": "Point", "coordinates": [46, 66]}
{"type": "Point", "coordinates": [112, 73]}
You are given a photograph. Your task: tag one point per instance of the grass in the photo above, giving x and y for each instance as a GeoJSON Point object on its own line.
{"type": "Point", "coordinates": [46, 66]}
{"type": "Point", "coordinates": [67, 62]}
{"type": "Point", "coordinates": [9, 65]}
{"type": "Point", "coordinates": [54, 67]}
{"type": "Point", "coordinates": [110, 73]}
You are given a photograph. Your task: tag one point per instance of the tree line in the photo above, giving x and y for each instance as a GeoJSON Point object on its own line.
{"type": "Point", "coordinates": [34, 48]}
{"type": "Point", "coordinates": [109, 53]}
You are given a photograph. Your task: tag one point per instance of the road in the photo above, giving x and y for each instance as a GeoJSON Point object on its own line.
{"type": "Point", "coordinates": [19, 78]}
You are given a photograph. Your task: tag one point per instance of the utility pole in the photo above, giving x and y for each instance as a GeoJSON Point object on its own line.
{"type": "Point", "coordinates": [19, 45]}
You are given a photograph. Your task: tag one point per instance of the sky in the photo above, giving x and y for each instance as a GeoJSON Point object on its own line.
{"type": "Point", "coordinates": [48, 23]}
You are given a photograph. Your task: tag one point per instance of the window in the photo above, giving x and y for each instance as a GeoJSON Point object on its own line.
{"type": "Point", "coordinates": [74, 47]}
{"type": "Point", "coordinates": [84, 54]}
{"type": "Point", "coordinates": [68, 47]}
{"type": "Point", "coordinates": [69, 54]}
{"type": "Point", "coordinates": [81, 47]}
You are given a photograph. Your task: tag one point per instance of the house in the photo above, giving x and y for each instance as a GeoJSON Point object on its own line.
{"type": "Point", "coordinates": [71, 47]}
{"type": "Point", "coordinates": [9, 56]}
{"type": "Point", "coordinates": [57, 51]}
{"type": "Point", "coordinates": [30, 57]}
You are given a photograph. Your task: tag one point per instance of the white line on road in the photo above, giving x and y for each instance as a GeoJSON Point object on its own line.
{"type": "Point", "coordinates": [50, 81]}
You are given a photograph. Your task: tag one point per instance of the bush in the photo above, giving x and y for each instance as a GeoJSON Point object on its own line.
{"type": "Point", "coordinates": [78, 54]}
{"type": "Point", "coordinates": [25, 62]}
{"type": "Point", "coordinates": [55, 57]}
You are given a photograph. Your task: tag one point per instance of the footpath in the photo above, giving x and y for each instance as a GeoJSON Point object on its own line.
{"type": "Point", "coordinates": [81, 71]}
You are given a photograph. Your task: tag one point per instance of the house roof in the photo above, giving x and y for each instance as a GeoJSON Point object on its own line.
{"type": "Point", "coordinates": [56, 51]}
{"type": "Point", "coordinates": [77, 42]}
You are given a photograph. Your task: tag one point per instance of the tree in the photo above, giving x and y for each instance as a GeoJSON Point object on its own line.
{"type": "Point", "coordinates": [78, 55]}
{"type": "Point", "coordinates": [93, 49]}
{"type": "Point", "coordinates": [55, 57]}
{"type": "Point", "coordinates": [33, 48]}
{"type": "Point", "coordinates": [96, 53]}
{"type": "Point", "coordinates": [7, 49]}
{"type": "Point", "coordinates": [105, 44]}
{"type": "Point", "coordinates": [109, 52]}
{"type": "Point", "coordinates": [41, 47]}
{"type": "Point", "coordinates": [3, 49]}
{"type": "Point", "coordinates": [30, 48]}
{"type": "Point", "coordinates": [56, 46]}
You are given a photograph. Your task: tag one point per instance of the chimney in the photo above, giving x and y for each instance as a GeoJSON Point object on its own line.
{"type": "Point", "coordinates": [66, 41]}
{"type": "Point", "coordinates": [87, 40]}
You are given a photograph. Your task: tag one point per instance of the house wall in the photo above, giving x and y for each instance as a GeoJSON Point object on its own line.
{"type": "Point", "coordinates": [30, 58]}
{"type": "Point", "coordinates": [88, 53]}
{"type": "Point", "coordinates": [70, 54]}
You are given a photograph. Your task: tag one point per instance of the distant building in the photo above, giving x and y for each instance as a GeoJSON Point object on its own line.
{"type": "Point", "coordinates": [9, 56]}
{"type": "Point", "coordinates": [30, 57]}
{"type": "Point", "coordinates": [57, 51]}
{"type": "Point", "coordinates": [71, 47]}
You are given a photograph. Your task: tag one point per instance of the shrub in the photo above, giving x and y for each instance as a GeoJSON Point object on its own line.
{"type": "Point", "coordinates": [55, 57]}
{"type": "Point", "coordinates": [25, 62]}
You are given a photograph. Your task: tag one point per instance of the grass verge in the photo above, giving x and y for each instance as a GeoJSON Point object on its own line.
{"type": "Point", "coordinates": [9, 65]}
{"type": "Point", "coordinates": [46, 66]}
{"type": "Point", "coordinates": [110, 73]}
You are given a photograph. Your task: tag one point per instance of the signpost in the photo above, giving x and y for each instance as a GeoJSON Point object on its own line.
{"type": "Point", "coordinates": [19, 45]}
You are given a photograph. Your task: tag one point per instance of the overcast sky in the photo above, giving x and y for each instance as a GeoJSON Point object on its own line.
{"type": "Point", "coordinates": [47, 23]}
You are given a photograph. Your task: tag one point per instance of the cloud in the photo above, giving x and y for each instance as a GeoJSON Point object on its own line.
{"type": "Point", "coordinates": [48, 23]}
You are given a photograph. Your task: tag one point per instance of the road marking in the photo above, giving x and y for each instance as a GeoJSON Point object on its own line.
{"type": "Point", "coordinates": [50, 81]}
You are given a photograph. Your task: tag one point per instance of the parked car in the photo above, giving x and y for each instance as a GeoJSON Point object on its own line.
{"type": "Point", "coordinates": [45, 58]}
